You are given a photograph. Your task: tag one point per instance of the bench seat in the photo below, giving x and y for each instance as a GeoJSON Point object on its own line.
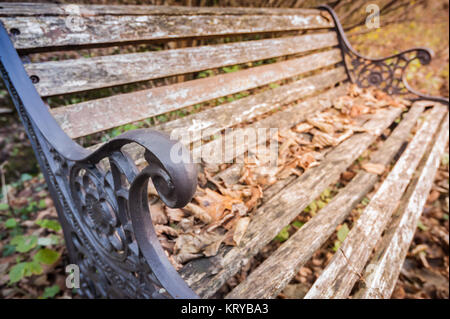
{"type": "Point", "coordinates": [202, 71]}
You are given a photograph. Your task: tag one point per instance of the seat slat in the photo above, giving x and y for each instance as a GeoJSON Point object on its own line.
{"type": "Point", "coordinates": [61, 77]}
{"type": "Point", "coordinates": [38, 9]}
{"type": "Point", "coordinates": [206, 277]}
{"type": "Point", "coordinates": [339, 277]}
{"type": "Point", "coordinates": [382, 272]}
{"type": "Point", "coordinates": [269, 278]}
{"type": "Point", "coordinates": [58, 31]}
{"type": "Point", "coordinates": [101, 114]}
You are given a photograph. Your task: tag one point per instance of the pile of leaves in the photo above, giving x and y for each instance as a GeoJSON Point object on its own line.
{"type": "Point", "coordinates": [221, 212]}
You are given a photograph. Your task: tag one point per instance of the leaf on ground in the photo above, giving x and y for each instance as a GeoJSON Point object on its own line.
{"type": "Point", "coordinates": [46, 256]}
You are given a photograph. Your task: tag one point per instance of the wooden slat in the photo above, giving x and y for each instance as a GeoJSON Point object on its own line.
{"type": "Point", "coordinates": [382, 272]}
{"type": "Point", "coordinates": [38, 9]}
{"type": "Point", "coordinates": [211, 121]}
{"type": "Point", "coordinates": [61, 77]}
{"type": "Point", "coordinates": [344, 269]}
{"type": "Point", "coordinates": [206, 275]}
{"type": "Point", "coordinates": [57, 31]}
{"type": "Point", "coordinates": [101, 114]}
{"type": "Point", "coordinates": [268, 279]}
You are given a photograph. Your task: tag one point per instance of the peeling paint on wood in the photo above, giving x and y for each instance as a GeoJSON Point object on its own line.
{"type": "Point", "coordinates": [62, 77]}
{"type": "Point", "coordinates": [101, 114]}
{"type": "Point", "coordinates": [207, 276]}
{"type": "Point", "coordinates": [54, 31]}
{"type": "Point", "coordinates": [268, 279]}
{"type": "Point", "coordinates": [383, 270]}
{"type": "Point", "coordinates": [339, 277]}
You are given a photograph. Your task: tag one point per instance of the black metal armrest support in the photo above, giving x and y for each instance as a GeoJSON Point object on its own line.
{"type": "Point", "coordinates": [101, 197]}
{"type": "Point", "coordinates": [388, 73]}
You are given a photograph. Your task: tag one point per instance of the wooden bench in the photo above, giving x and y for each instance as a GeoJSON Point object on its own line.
{"type": "Point", "coordinates": [295, 63]}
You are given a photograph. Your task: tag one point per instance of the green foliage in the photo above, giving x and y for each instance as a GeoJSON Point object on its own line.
{"type": "Point", "coordinates": [283, 235]}
{"type": "Point", "coordinates": [421, 226]}
{"type": "Point", "coordinates": [231, 69]}
{"type": "Point", "coordinates": [24, 244]}
{"type": "Point", "coordinates": [445, 159]}
{"type": "Point", "coordinates": [24, 269]}
{"type": "Point", "coordinates": [48, 241]}
{"type": "Point", "coordinates": [11, 223]}
{"type": "Point", "coordinates": [297, 224]}
{"type": "Point", "coordinates": [49, 224]}
{"type": "Point", "coordinates": [4, 206]}
{"type": "Point", "coordinates": [8, 250]}
{"type": "Point", "coordinates": [341, 235]}
{"type": "Point", "coordinates": [50, 292]}
{"type": "Point", "coordinates": [46, 256]}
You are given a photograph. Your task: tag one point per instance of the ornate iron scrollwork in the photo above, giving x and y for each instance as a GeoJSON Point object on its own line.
{"type": "Point", "coordinates": [101, 197]}
{"type": "Point", "coordinates": [388, 73]}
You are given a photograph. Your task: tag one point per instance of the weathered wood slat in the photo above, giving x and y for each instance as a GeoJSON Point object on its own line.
{"type": "Point", "coordinates": [382, 272]}
{"type": "Point", "coordinates": [206, 275]}
{"type": "Point", "coordinates": [61, 77]}
{"type": "Point", "coordinates": [209, 122]}
{"type": "Point", "coordinates": [275, 272]}
{"type": "Point", "coordinates": [38, 9]}
{"type": "Point", "coordinates": [101, 114]}
{"type": "Point", "coordinates": [344, 269]}
{"type": "Point", "coordinates": [59, 31]}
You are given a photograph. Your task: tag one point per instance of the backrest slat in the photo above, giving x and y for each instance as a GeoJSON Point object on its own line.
{"type": "Point", "coordinates": [59, 31]}
{"type": "Point", "coordinates": [74, 75]}
{"type": "Point", "coordinates": [93, 116]}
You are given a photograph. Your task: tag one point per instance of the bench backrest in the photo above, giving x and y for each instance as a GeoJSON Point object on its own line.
{"type": "Point", "coordinates": [178, 57]}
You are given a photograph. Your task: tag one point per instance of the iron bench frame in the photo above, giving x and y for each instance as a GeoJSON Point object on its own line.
{"type": "Point", "coordinates": [122, 190]}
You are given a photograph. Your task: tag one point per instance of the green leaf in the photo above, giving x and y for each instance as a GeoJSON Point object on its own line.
{"type": "Point", "coordinates": [445, 217]}
{"type": "Point", "coordinates": [298, 224]}
{"type": "Point", "coordinates": [8, 250]}
{"type": "Point", "coordinates": [321, 204]}
{"type": "Point", "coordinates": [25, 177]}
{"type": "Point", "coordinates": [46, 256]}
{"type": "Point", "coordinates": [24, 269]}
{"type": "Point", "coordinates": [24, 243]}
{"type": "Point", "coordinates": [343, 232]}
{"type": "Point", "coordinates": [445, 159]}
{"type": "Point", "coordinates": [11, 223]}
{"type": "Point", "coordinates": [48, 241]}
{"type": "Point", "coordinates": [283, 235]}
{"type": "Point", "coordinates": [16, 273]}
{"type": "Point", "coordinates": [337, 244]}
{"type": "Point", "coordinates": [50, 292]}
{"type": "Point", "coordinates": [365, 201]}
{"type": "Point", "coordinates": [421, 226]}
{"type": "Point", "coordinates": [49, 224]}
{"type": "Point", "coordinates": [42, 204]}
{"type": "Point", "coordinates": [4, 206]}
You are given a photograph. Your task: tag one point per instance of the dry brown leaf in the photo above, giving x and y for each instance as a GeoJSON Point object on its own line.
{"type": "Point", "coordinates": [374, 168]}
{"type": "Point", "coordinates": [215, 204]}
{"type": "Point", "coordinates": [174, 214]}
{"type": "Point", "coordinates": [322, 140]}
{"type": "Point", "coordinates": [305, 160]}
{"type": "Point", "coordinates": [163, 229]}
{"type": "Point", "coordinates": [241, 228]}
{"type": "Point", "coordinates": [198, 212]}
{"type": "Point", "coordinates": [257, 193]}
{"type": "Point", "coordinates": [303, 127]}
{"type": "Point", "coordinates": [321, 125]}
{"type": "Point", "coordinates": [157, 213]}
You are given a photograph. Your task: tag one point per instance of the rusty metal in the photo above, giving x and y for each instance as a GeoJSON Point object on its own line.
{"type": "Point", "coordinates": [388, 73]}
{"type": "Point", "coordinates": [101, 197]}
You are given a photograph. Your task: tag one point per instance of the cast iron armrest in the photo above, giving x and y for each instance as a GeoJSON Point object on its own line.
{"type": "Point", "coordinates": [388, 73]}
{"type": "Point", "coordinates": [103, 207]}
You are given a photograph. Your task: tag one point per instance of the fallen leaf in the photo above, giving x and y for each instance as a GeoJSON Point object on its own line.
{"type": "Point", "coordinates": [374, 168]}
{"type": "Point", "coordinates": [241, 228]}
{"type": "Point", "coordinates": [157, 213]}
